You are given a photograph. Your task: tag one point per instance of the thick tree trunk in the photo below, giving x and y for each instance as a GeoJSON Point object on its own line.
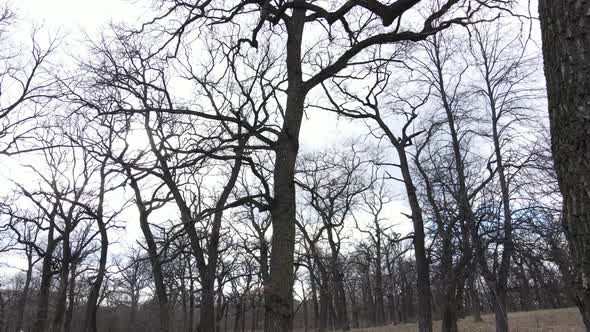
{"type": "Point", "coordinates": [60, 306]}
{"type": "Point", "coordinates": [207, 312]}
{"type": "Point", "coordinates": [368, 305]}
{"type": "Point", "coordinates": [324, 307]}
{"type": "Point", "coordinates": [62, 292]}
{"type": "Point", "coordinates": [449, 315]}
{"type": "Point", "coordinates": [279, 290]}
{"type": "Point", "coordinates": [474, 300]}
{"type": "Point", "coordinates": [422, 265]}
{"type": "Point", "coordinates": [499, 299]}
{"type": "Point", "coordinates": [40, 324]}
{"type": "Point", "coordinates": [449, 298]}
{"type": "Point", "coordinates": [565, 27]}
{"type": "Point", "coordinates": [221, 307]}
{"type": "Point", "coordinates": [340, 302]}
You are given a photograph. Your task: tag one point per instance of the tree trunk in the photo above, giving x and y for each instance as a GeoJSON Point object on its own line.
{"type": "Point", "coordinates": [279, 291]}
{"type": "Point", "coordinates": [341, 306]}
{"type": "Point", "coordinates": [40, 324]}
{"type": "Point", "coordinates": [379, 296]}
{"type": "Point", "coordinates": [422, 265]}
{"type": "Point", "coordinates": [474, 300]}
{"type": "Point", "coordinates": [92, 304]}
{"type": "Point", "coordinates": [565, 27]}
{"type": "Point", "coordinates": [225, 319]}
{"type": "Point", "coordinates": [449, 298]}
{"type": "Point", "coordinates": [324, 307]}
{"type": "Point", "coordinates": [71, 299]}
{"type": "Point", "coordinates": [62, 292]}
{"type": "Point", "coordinates": [338, 284]}
{"type": "Point", "coordinates": [207, 312]}
{"type": "Point", "coordinates": [508, 247]}
{"type": "Point", "coordinates": [254, 325]}
{"type": "Point", "coordinates": [22, 302]}
{"type": "Point", "coordinates": [391, 304]}
{"type": "Point", "coordinates": [314, 296]}
{"type": "Point", "coordinates": [499, 299]}
{"type": "Point", "coordinates": [368, 306]}
{"type": "Point", "coordinates": [355, 308]}
{"type": "Point", "coordinates": [220, 309]}
{"type": "Point", "coordinates": [191, 298]}
{"type": "Point", "coordinates": [155, 262]}
{"type": "Point", "coordinates": [207, 274]}
{"type": "Point", "coordinates": [449, 316]}
{"type": "Point", "coordinates": [238, 316]}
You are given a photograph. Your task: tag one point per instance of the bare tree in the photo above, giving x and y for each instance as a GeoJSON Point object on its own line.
{"type": "Point", "coordinates": [374, 202]}
{"type": "Point", "coordinates": [27, 84]}
{"type": "Point", "coordinates": [509, 91]}
{"type": "Point", "coordinates": [368, 107]}
{"type": "Point", "coordinates": [292, 18]}
{"type": "Point", "coordinates": [333, 183]}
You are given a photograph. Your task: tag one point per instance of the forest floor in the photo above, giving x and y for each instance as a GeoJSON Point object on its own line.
{"type": "Point", "coordinates": [560, 320]}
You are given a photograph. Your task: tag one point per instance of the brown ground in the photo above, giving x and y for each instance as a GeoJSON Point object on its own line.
{"type": "Point", "coordinates": [561, 320]}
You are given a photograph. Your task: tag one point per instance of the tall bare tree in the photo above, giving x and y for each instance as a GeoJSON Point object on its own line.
{"type": "Point", "coordinates": [356, 34]}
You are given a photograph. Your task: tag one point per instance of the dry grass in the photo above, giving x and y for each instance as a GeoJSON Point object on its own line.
{"type": "Point", "coordinates": [561, 320]}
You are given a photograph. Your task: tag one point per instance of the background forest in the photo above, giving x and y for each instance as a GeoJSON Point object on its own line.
{"type": "Point", "coordinates": [159, 176]}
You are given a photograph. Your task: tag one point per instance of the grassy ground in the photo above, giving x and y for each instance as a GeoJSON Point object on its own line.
{"type": "Point", "coordinates": [561, 320]}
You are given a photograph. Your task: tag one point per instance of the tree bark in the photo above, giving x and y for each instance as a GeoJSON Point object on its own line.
{"type": "Point", "coordinates": [40, 324]}
{"type": "Point", "coordinates": [155, 261]}
{"type": "Point", "coordinates": [279, 291]}
{"type": "Point", "coordinates": [64, 273]}
{"type": "Point", "coordinates": [422, 264]}
{"type": "Point", "coordinates": [93, 297]}
{"type": "Point", "coordinates": [342, 321]}
{"type": "Point", "coordinates": [474, 300]}
{"type": "Point", "coordinates": [565, 27]}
